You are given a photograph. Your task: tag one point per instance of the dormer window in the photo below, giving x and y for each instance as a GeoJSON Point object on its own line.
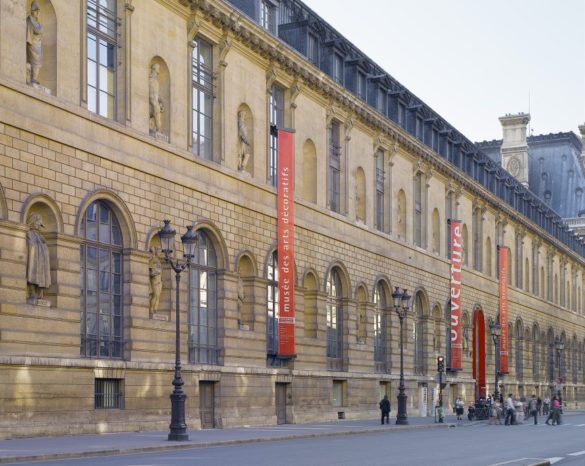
{"type": "Point", "coordinates": [313, 49]}
{"type": "Point", "coordinates": [361, 85]}
{"type": "Point", "coordinates": [267, 16]}
{"type": "Point", "coordinates": [337, 68]}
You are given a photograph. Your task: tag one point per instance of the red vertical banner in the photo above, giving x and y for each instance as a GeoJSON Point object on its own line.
{"type": "Point", "coordinates": [456, 260]}
{"type": "Point", "coordinates": [286, 243]}
{"type": "Point", "coordinates": [503, 252]}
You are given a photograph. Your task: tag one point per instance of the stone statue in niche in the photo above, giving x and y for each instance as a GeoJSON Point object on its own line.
{"type": "Point", "coordinates": [244, 144]}
{"type": "Point", "coordinates": [155, 273]}
{"type": "Point", "coordinates": [241, 300]}
{"type": "Point", "coordinates": [38, 270]}
{"type": "Point", "coordinates": [34, 47]}
{"type": "Point", "coordinates": [156, 103]}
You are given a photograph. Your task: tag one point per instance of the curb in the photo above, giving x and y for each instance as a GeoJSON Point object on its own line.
{"type": "Point", "coordinates": [220, 443]}
{"type": "Point", "coordinates": [542, 463]}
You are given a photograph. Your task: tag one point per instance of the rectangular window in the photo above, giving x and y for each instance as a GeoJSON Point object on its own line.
{"type": "Point", "coordinates": [449, 215]}
{"type": "Point", "coordinates": [418, 210]}
{"type": "Point", "coordinates": [381, 100]}
{"type": "Point", "coordinates": [313, 49]}
{"type": "Point", "coordinates": [402, 115]}
{"type": "Point", "coordinates": [267, 17]}
{"type": "Point", "coordinates": [109, 394]}
{"type": "Point", "coordinates": [334, 179]}
{"type": "Point", "coordinates": [202, 99]}
{"type": "Point", "coordinates": [337, 68]}
{"type": "Point", "coordinates": [419, 128]}
{"type": "Point", "coordinates": [102, 43]}
{"type": "Point", "coordinates": [361, 85]}
{"type": "Point", "coordinates": [380, 190]}
{"type": "Point", "coordinates": [276, 104]}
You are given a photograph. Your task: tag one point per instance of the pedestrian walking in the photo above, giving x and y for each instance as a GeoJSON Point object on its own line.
{"type": "Point", "coordinates": [554, 414]}
{"type": "Point", "coordinates": [459, 408]}
{"type": "Point", "coordinates": [510, 410]}
{"type": "Point", "coordinates": [533, 408]}
{"type": "Point", "coordinates": [546, 406]}
{"type": "Point", "coordinates": [539, 405]}
{"type": "Point", "coordinates": [385, 409]}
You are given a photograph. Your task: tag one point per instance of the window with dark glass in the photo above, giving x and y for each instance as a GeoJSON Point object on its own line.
{"type": "Point", "coordinates": [519, 261]}
{"type": "Point", "coordinates": [276, 103]}
{"type": "Point", "coordinates": [313, 49]}
{"type": "Point", "coordinates": [380, 175]}
{"type": "Point", "coordinates": [337, 68]}
{"type": "Point", "coordinates": [101, 283]}
{"type": "Point", "coordinates": [272, 306]}
{"type": "Point", "coordinates": [477, 240]}
{"type": "Point", "coordinates": [418, 210]}
{"type": "Point", "coordinates": [202, 98]}
{"type": "Point", "coordinates": [202, 343]}
{"type": "Point", "coordinates": [402, 115]}
{"type": "Point", "coordinates": [361, 85]}
{"type": "Point", "coordinates": [380, 324]}
{"type": "Point", "coordinates": [334, 179]}
{"type": "Point", "coordinates": [334, 316]}
{"type": "Point", "coordinates": [381, 100]}
{"type": "Point", "coordinates": [108, 394]}
{"type": "Point", "coordinates": [419, 348]}
{"type": "Point", "coordinates": [102, 44]}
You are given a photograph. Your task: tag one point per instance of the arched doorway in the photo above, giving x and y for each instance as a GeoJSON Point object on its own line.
{"type": "Point", "coordinates": [479, 352]}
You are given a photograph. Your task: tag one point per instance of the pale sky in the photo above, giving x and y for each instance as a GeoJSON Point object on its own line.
{"type": "Point", "coordinates": [473, 61]}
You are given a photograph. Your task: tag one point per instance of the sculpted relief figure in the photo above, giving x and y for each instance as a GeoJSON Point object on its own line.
{"type": "Point", "coordinates": [38, 270]}
{"type": "Point", "coordinates": [244, 153]}
{"type": "Point", "coordinates": [34, 52]}
{"type": "Point", "coordinates": [155, 272]}
{"type": "Point", "coordinates": [156, 103]}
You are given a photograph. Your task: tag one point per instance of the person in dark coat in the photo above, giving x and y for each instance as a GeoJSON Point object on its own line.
{"type": "Point", "coordinates": [385, 409]}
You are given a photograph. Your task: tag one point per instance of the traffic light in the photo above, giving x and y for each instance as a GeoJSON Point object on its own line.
{"type": "Point", "coordinates": [441, 363]}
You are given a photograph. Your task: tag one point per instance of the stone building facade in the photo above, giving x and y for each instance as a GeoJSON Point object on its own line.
{"type": "Point", "coordinates": [146, 111]}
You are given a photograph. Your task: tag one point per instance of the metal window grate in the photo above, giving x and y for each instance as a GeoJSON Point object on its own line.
{"type": "Point", "coordinates": [108, 394]}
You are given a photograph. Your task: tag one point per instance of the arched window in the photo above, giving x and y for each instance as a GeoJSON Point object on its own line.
{"type": "Point", "coordinates": [334, 319]}
{"type": "Point", "coordinates": [380, 326]}
{"type": "Point", "coordinates": [519, 336]}
{"type": "Point", "coordinates": [102, 319]}
{"type": "Point", "coordinates": [419, 346]}
{"type": "Point", "coordinates": [535, 354]}
{"type": "Point", "coordinates": [272, 306]}
{"type": "Point", "coordinates": [574, 364]}
{"type": "Point", "coordinates": [203, 302]}
{"type": "Point", "coordinates": [550, 356]}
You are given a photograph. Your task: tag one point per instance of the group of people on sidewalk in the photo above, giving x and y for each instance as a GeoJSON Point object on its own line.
{"type": "Point", "coordinates": [511, 408]}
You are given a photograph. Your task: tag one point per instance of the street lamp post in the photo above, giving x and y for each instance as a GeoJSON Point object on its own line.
{"type": "Point", "coordinates": [178, 427]}
{"type": "Point", "coordinates": [401, 303]}
{"type": "Point", "coordinates": [559, 346]}
{"type": "Point", "coordinates": [495, 331]}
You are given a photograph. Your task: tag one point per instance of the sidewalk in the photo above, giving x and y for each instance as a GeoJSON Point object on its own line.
{"type": "Point", "coordinates": [74, 446]}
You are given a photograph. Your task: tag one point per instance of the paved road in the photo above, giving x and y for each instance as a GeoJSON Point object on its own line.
{"type": "Point", "coordinates": [468, 445]}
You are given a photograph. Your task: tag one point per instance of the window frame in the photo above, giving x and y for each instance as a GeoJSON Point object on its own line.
{"type": "Point", "coordinates": [204, 266]}
{"type": "Point", "coordinates": [108, 340]}
{"type": "Point", "coordinates": [104, 32]}
{"type": "Point", "coordinates": [202, 90]}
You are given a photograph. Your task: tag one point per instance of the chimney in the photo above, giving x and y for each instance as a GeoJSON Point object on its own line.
{"type": "Point", "coordinates": [515, 145]}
